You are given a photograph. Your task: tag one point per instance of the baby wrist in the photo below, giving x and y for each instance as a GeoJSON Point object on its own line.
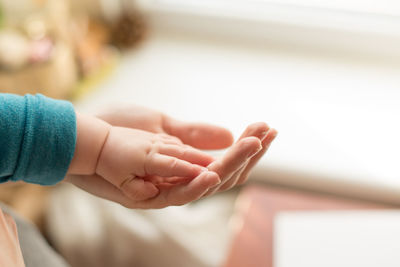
{"type": "Point", "coordinates": [91, 136]}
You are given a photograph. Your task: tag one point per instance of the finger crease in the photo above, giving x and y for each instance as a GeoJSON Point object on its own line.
{"type": "Point", "coordinates": [127, 180]}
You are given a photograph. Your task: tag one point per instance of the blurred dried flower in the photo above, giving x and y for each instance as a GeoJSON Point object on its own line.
{"type": "Point", "coordinates": [129, 29]}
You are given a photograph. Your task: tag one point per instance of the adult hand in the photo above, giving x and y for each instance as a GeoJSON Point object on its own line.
{"type": "Point", "coordinates": [169, 194]}
{"type": "Point", "coordinates": [224, 173]}
{"type": "Point", "coordinates": [233, 168]}
{"type": "Point", "coordinates": [10, 251]}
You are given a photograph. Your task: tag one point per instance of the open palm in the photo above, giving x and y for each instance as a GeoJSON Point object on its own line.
{"type": "Point", "coordinates": [231, 169]}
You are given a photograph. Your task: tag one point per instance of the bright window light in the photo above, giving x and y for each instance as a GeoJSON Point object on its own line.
{"type": "Point", "coordinates": [388, 7]}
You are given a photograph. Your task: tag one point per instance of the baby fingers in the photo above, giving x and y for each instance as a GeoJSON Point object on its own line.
{"type": "Point", "coordinates": [186, 153]}
{"type": "Point", "coordinates": [167, 166]}
{"type": "Point", "coordinates": [138, 189]}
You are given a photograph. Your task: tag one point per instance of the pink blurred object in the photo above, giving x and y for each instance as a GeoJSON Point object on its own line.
{"type": "Point", "coordinates": [41, 50]}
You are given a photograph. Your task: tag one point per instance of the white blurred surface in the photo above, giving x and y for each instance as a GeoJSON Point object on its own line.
{"type": "Point", "coordinates": [331, 239]}
{"type": "Point", "coordinates": [337, 117]}
{"type": "Point", "coordinates": [90, 231]}
{"type": "Point", "coordinates": [390, 7]}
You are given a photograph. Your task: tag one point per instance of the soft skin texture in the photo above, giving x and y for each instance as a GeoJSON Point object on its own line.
{"type": "Point", "coordinates": [10, 252]}
{"type": "Point", "coordinates": [199, 135]}
{"type": "Point", "coordinates": [131, 159]}
{"type": "Point", "coordinates": [231, 169]}
{"type": "Point", "coordinates": [235, 170]}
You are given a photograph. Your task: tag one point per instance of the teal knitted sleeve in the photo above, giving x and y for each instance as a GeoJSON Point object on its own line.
{"type": "Point", "coordinates": [37, 138]}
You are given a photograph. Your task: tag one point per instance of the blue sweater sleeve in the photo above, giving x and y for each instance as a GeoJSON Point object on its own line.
{"type": "Point", "coordinates": [37, 138]}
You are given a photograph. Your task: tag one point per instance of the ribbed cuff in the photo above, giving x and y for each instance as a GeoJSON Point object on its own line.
{"type": "Point", "coordinates": [49, 141]}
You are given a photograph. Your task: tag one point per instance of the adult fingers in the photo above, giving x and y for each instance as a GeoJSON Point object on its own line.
{"type": "Point", "coordinates": [232, 181]}
{"type": "Point", "coordinates": [175, 195]}
{"type": "Point", "coordinates": [186, 153]}
{"type": "Point", "coordinates": [234, 159]}
{"type": "Point", "coordinates": [259, 130]}
{"type": "Point", "coordinates": [166, 166]}
{"type": "Point", "coordinates": [199, 135]}
{"type": "Point", "coordinates": [169, 194]}
{"type": "Point", "coordinates": [265, 144]}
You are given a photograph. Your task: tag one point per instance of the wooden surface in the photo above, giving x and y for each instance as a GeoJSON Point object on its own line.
{"type": "Point", "coordinates": [252, 245]}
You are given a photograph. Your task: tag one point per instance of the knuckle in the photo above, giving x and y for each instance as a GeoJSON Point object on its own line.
{"type": "Point", "coordinates": [163, 135]}
{"type": "Point", "coordinates": [182, 152]}
{"type": "Point", "coordinates": [174, 163]}
{"type": "Point", "coordinates": [149, 160]}
{"type": "Point", "coordinates": [154, 144]}
{"type": "Point", "coordinates": [155, 147]}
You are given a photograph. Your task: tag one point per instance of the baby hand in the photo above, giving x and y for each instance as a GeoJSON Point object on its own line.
{"type": "Point", "coordinates": [198, 135]}
{"type": "Point", "coordinates": [131, 159]}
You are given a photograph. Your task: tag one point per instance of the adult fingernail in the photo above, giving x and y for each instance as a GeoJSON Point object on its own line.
{"type": "Point", "coordinates": [262, 135]}
{"type": "Point", "coordinates": [272, 136]}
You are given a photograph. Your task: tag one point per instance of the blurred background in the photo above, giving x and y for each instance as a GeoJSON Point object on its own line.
{"type": "Point", "coordinates": [326, 74]}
